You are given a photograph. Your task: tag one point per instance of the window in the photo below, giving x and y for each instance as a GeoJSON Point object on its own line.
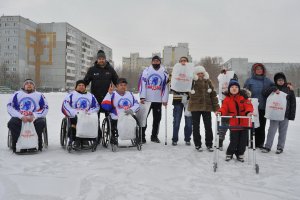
{"type": "Point", "coordinates": [14, 69]}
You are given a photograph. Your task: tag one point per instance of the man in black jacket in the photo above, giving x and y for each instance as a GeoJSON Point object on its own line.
{"type": "Point", "coordinates": [101, 76]}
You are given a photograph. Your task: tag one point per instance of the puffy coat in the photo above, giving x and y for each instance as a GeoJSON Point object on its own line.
{"type": "Point", "coordinates": [237, 105]}
{"type": "Point", "coordinates": [101, 78]}
{"type": "Point", "coordinates": [205, 97]}
{"type": "Point", "coordinates": [257, 84]}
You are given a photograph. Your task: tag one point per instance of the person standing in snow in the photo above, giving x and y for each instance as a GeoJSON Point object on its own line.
{"type": "Point", "coordinates": [281, 85]}
{"type": "Point", "coordinates": [203, 101]}
{"type": "Point", "coordinates": [153, 87]}
{"type": "Point", "coordinates": [257, 84]}
{"type": "Point", "coordinates": [180, 101]}
{"type": "Point", "coordinates": [116, 102]}
{"type": "Point", "coordinates": [27, 105]}
{"type": "Point", "coordinates": [101, 75]}
{"type": "Point", "coordinates": [237, 103]}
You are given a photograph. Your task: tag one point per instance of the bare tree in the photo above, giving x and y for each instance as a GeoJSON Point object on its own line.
{"type": "Point", "coordinates": [212, 66]}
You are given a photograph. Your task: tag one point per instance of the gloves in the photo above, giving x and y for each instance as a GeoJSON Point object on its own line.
{"type": "Point", "coordinates": [129, 112]}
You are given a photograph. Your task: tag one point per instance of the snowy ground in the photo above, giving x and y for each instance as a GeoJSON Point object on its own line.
{"type": "Point", "coordinates": [156, 172]}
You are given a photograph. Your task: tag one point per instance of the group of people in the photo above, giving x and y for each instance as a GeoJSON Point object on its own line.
{"type": "Point", "coordinates": [199, 98]}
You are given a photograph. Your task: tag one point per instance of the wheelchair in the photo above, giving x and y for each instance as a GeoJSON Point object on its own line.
{"type": "Point", "coordinates": [107, 135]}
{"type": "Point", "coordinates": [44, 137]}
{"type": "Point", "coordinates": [82, 143]}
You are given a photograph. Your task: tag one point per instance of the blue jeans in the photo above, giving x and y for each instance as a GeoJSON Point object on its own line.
{"type": "Point", "coordinates": [177, 113]}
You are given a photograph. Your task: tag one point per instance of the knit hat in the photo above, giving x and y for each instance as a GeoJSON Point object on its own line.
{"type": "Point", "coordinates": [122, 80]}
{"type": "Point", "coordinates": [79, 82]}
{"type": "Point", "coordinates": [28, 81]}
{"type": "Point", "coordinates": [233, 82]}
{"type": "Point", "coordinates": [279, 75]}
{"type": "Point", "coordinates": [101, 54]}
{"type": "Point", "coordinates": [156, 58]}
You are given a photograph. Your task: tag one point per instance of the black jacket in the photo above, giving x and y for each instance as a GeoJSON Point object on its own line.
{"type": "Point", "coordinates": [290, 98]}
{"type": "Point", "coordinates": [101, 78]}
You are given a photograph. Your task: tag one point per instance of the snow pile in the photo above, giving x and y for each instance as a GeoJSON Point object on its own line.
{"type": "Point", "coordinates": [156, 172]}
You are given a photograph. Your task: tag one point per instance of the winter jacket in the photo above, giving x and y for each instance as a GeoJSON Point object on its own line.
{"type": "Point", "coordinates": [237, 105]}
{"type": "Point", "coordinates": [257, 84]}
{"type": "Point", "coordinates": [101, 78]}
{"type": "Point", "coordinates": [205, 97]}
{"type": "Point", "coordinates": [290, 112]}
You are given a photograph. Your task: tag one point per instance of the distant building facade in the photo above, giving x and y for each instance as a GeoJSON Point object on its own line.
{"type": "Point", "coordinates": [135, 62]}
{"type": "Point", "coordinates": [55, 55]}
{"type": "Point", "coordinates": [172, 54]}
{"type": "Point", "coordinates": [242, 68]}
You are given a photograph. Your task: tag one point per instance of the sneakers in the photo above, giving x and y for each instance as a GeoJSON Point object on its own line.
{"type": "Point", "coordinates": [210, 149]}
{"type": "Point", "coordinates": [198, 148]}
{"type": "Point", "coordinates": [174, 143]}
{"type": "Point", "coordinates": [279, 151]}
{"type": "Point", "coordinates": [221, 148]}
{"type": "Point", "coordinates": [188, 143]}
{"type": "Point", "coordinates": [240, 158]}
{"type": "Point", "coordinates": [155, 139]}
{"type": "Point", "coordinates": [266, 150]}
{"type": "Point", "coordinates": [228, 157]}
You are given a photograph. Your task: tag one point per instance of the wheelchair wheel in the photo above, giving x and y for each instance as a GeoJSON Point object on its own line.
{"type": "Point", "coordinates": [9, 140]}
{"type": "Point", "coordinates": [63, 132]}
{"type": "Point", "coordinates": [106, 128]}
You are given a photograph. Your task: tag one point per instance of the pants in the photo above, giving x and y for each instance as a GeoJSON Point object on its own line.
{"type": "Point", "coordinates": [196, 115]}
{"type": "Point", "coordinates": [282, 127]}
{"type": "Point", "coordinates": [114, 127]}
{"type": "Point", "coordinates": [72, 130]}
{"type": "Point", "coordinates": [238, 142]}
{"type": "Point", "coordinates": [15, 125]}
{"type": "Point", "coordinates": [222, 132]}
{"type": "Point", "coordinates": [156, 111]}
{"type": "Point", "coordinates": [260, 131]}
{"type": "Point", "coordinates": [177, 113]}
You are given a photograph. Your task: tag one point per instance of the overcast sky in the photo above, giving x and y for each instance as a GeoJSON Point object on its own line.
{"type": "Point", "coordinates": [261, 30]}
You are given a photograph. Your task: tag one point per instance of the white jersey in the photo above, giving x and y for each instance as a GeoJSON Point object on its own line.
{"type": "Point", "coordinates": [22, 104]}
{"type": "Point", "coordinates": [76, 101]}
{"type": "Point", "coordinates": [116, 103]}
{"type": "Point", "coordinates": [153, 85]}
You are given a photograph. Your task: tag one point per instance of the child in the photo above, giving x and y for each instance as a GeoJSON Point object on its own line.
{"type": "Point", "coordinates": [281, 85]}
{"type": "Point", "coordinates": [236, 103]}
{"type": "Point", "coordinates": [119, 101]}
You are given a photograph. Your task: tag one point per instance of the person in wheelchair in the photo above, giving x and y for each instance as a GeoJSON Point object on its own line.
{"type": "Point", "coordinates": [27, 105]}
{"type": "Point", "coordinates": [119, 101]}
{"type": "Point", "coordinates": [76, 101]}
